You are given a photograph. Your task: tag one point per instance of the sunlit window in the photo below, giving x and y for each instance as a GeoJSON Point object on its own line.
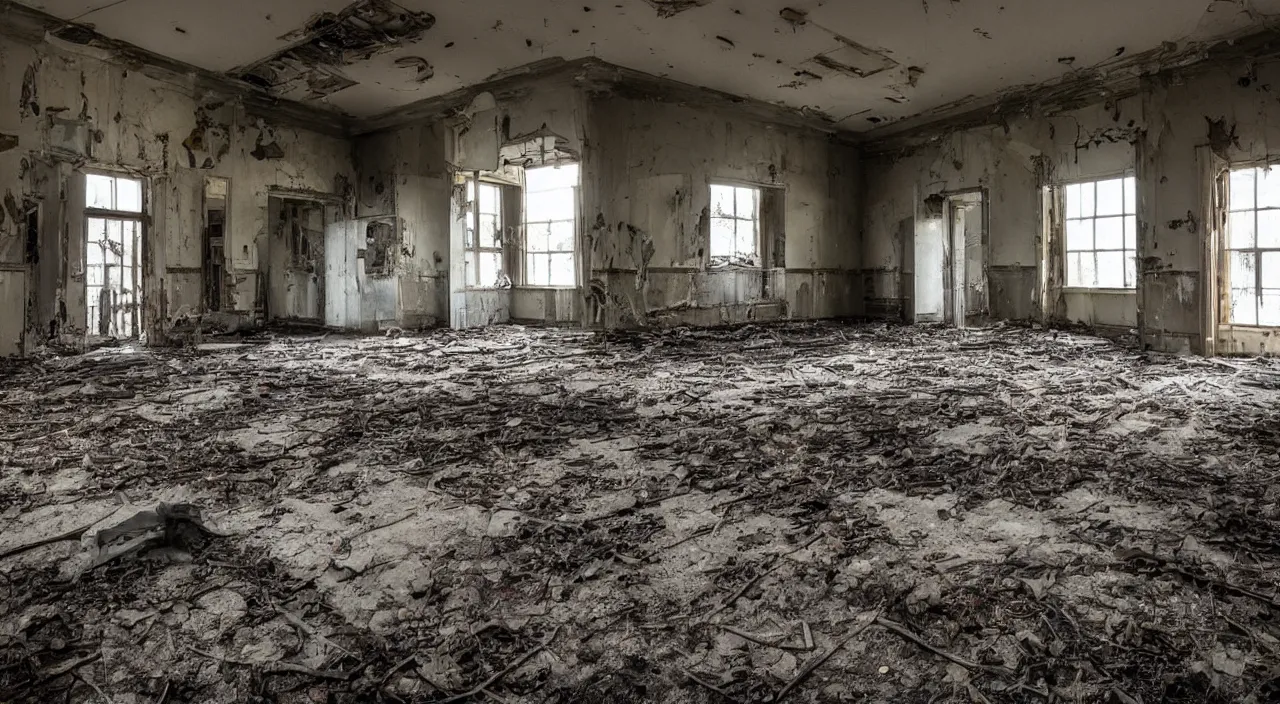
{"type": "Point", "coordinates": [113, 193]}
{"type": "Point", "coordinates": [1253, 247]}
{"type": "Point", "coordinates": [1101, 227]}
{"type": "Point", "coordinates": [113, 255]}
{"type": "Point", "coordinates": [735, 225]}
{"type": "Point", "coordinates": [551, 225]}
{"type": "Point", "coordinates": [483, 241]}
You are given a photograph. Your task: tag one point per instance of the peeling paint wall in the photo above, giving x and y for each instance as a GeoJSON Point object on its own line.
{"type": "Point", "coordinates": [1180, 127]}
{"type": "Point", "coordinates": [899, 188]}
{"type": "Point", "coordinates": [71, 108]}
{"type": "Point", "coordinates": [648, 205]}
{"type": "Point", "coordinates": [1227, 112]}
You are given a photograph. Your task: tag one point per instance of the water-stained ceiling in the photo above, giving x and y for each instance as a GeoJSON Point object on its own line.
{"type": "Point", "coordinates": [862, 65]}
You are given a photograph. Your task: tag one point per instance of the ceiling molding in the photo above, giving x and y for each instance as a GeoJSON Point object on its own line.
{"type": "Point", "coordinates": [36, 27]}
{"type": "Point", "coordinates": [598, 78]}
{"type": "Point", "coordinates": [1115, 80]}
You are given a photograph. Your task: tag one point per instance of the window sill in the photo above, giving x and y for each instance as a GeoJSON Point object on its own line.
{"type": "Point", "coordinates": [1104, 291]}
{"type": "Point", "coordinates": [534, 287]}
{"type": "Point", "coordinates": [1249, 328]}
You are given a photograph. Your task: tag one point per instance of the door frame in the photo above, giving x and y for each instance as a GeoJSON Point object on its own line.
{"type": "Point", "coordinates": [955, 311]}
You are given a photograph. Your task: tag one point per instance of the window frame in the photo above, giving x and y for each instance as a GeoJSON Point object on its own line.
{"type": "Point", "coordinates": [1063, 217]}
{"type": "Point", "coordinates": [756, 219]}
{"type": "Point", "coordinates": [474, 182]}
{"type": "Point", "coordinates": [1225, 250]}
{"type": "Point", "coordinates": [526, 254]}
{"type": "Point", "coordinates": [138, 217]}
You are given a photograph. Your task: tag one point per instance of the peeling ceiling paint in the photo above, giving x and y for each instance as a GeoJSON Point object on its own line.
{"type": "Point", "coordinates": [862, 64]}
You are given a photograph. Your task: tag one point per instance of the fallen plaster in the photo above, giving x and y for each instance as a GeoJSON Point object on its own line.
{"type": "Point", "coordinates": [659, 511]}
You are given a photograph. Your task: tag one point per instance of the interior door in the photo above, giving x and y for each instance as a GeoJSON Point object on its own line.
{"type": "Point", "coordinates": [341, 291]}
{"type": "Point", "coordinates": [957, 259]}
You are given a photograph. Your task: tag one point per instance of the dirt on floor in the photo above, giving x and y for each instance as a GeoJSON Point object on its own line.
{"type": "Point", "coordinates": [798, 513]}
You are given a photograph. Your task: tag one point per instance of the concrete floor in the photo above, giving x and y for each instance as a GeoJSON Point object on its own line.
{"type": "Point", "coordinates": [520, 515]}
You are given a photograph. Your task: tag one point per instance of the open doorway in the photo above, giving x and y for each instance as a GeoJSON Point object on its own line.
{"type": "Point", "coordinates": [216, 191]}
{"type": "Point", "coordinates": [965, 260]}
{"type": "Point", "coordinates": [296, 271]}
{"type": "Point", "coordinates": [950, 258]}
{"type": "Point", "coordinates": [113, 256]}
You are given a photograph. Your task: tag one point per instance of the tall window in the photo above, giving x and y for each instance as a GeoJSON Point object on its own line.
{"type": "Point", "coordinates": [735, 225]}
{"type": "Point", "coordinates": [1253, 247]}
{"type": "Point", "coordinates": [1102, 234]}
{"type": "Point", "coordinates": [483, 242]}
{"type": "Point", "coordinates": [551, 225]}
{"type": "Point", "coordinates": [113, 255]}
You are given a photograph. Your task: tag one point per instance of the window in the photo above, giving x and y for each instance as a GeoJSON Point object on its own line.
{"type": "Point", "coordinates": [113, 193]}
{"type": "Point", "coordinates": [735, 225]}
{"type": "Point", "coordinates": [1253, 247]}
{"type": "Point", "coordinates": [550, 225]}
{"type": "Point", "coordinates": [1101, 227]}
{"type": "Point", "coordinates": [113, 255]}
{"type": "Point", "coordinates": [483, 241]}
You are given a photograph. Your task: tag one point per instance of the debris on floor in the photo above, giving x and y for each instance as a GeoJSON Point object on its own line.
{"type": "Point", "coordinates": [798, 513]}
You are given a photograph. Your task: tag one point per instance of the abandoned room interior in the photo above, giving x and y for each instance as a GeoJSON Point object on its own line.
{"type": "Point", "coordinates": [536, 351]}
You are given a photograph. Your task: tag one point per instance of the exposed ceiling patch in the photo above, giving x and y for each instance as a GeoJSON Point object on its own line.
{"type": "Point", "coordinates": [855, 60]}
{"type": "Point", "coordinates": [309, 69]}
{"type": "Point", "coordinates": [671, 8]}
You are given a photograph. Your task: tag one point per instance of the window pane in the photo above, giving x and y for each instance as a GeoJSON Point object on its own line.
{"type": "Point", "coordinates": [1130, 196]}
{"type": "Point", "coordinates": [746, 202]}
{"type": "Point", "coordinates": [1082, 272]}
{"type": "Point", "coordinates": [721, 202]}
{"type": "Point", "coordinates": [562, 270]}
{"type": "Point", "coordinates": [1268, 229]}
{"type": "Point", "coordinates": [469, 236]}
{"type": "Point", "coordinates": [1111, 197]}
{"type": "Point", "coordinates": [1269, 188]}
{"type": "Point", "coordinates": [490, 199]}
{"type": "Point", "coordinates": [1270, 269]}
{"type": "Point", "coordinates": [1087, 209]}
{"type": "Point", "coordinates": [562, 235]}
{"type": "Point", "coordinates": [1130, 272]}
{"type": "Point", "coordinates": [129, 195]}
{"type": "Point", "coordinates": [1131, 233]}
{"type": "Point", "coordinates": [1269, 310]}
{"type": "Point", "coordinates": [1111, 269]}
{"type": "Point", "coordinates": [98, 191]}
{"type": "Point", "coordinates": [722, 237]}
{"type": "Point", "coordinates": [1072, 195]}
{"type": "Point", "coordinates": [1242, 269]}
{"type": "Point", "coordinates": [489, 231]}
{"type": "Point", "coordinates": [551, 205]}
{"type": "Point", "coordinates": [490, 267]}
{"type": "Point", "coordinates": [1109, 233]}
{"type": "Point", "coordinates": [745, 242]}
{"type": "Point", "coordinates": [93, 278]}
{"type": "Point", "coordinates": [537, 272]}
{"type": "Point", "coordinates": [1240, 233]}
{"type": "Point", "coordinates": [550, 177]}
{"type": "Point", "coordinates": [94, 254]}
{"type": "Point", "coordinates": [536, 237]}
{"type": "Point", "coordinates": [470, 259]}
{"type": "Point", "coordinates": [1244, 306]}
{"type": "Point", "coordinates": [1079, 235]}
{"type": "Point", "coordinates": [1241, 189]}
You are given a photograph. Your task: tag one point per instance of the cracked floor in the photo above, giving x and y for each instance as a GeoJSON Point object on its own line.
{"type": "Point", "coordinates": [808, 513]}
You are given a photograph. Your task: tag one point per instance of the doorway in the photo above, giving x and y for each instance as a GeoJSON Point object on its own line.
{"type": "Point", "coordinates": [113, 256]}
{"type": "Point", "coordinates": [296, 268]}
{"type": "Point", "coordinates": [216, 193]}
{"type": "Point", "coordinates": [965, 270]}
{"type": "Point", "coordinates": [950, 245]}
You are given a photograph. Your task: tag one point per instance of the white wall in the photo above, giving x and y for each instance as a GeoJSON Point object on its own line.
{"type": "Point", "coordinates": [158, 129]}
